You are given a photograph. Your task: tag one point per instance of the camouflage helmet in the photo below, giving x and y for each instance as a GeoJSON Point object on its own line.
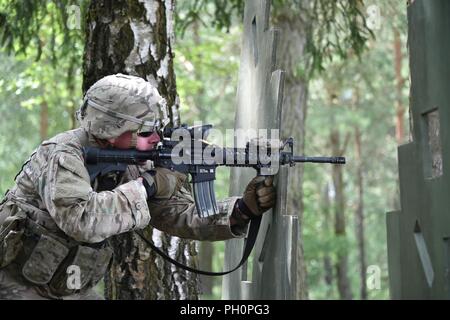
{"type": "Point", "coordinates": [119, 103]}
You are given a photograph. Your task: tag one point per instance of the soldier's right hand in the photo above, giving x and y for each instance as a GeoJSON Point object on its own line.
{"type": "Point", "coordinates": [162, 183]}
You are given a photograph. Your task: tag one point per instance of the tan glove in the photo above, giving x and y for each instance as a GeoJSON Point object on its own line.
{"type": "Point", "coordinates": [162, 183]}
{"type": "Point", "coordinates": [259, 196]}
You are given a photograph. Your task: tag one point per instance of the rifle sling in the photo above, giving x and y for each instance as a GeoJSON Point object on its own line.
{"type": "Point", "coordinates": [249, 243]}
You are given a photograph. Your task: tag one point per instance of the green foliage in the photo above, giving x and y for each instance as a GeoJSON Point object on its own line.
{"type": "Point", "coordinates": [339, 27]}
{"type": "Point", "coordinates": [13, 121]}
{"type": "Point", "coordinates": [355, 93]}
{"type": "Point", "coordinates": [24, 87]}
{"type": "Point", "coordinates": [45, 70]}
{"type": "Point", "coordinates": [218, 13]}
{"type": "Point", "coordinates": [22, 24]}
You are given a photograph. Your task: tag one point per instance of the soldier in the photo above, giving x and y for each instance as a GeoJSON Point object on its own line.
{"type": "Point", "coordinates": [54, 218]}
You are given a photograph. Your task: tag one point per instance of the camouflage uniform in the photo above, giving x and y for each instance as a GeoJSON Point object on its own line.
{"type": "Point", "coordinates": [54, 218]}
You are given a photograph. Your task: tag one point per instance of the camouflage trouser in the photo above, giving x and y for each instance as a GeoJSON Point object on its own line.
{"type": "Point", "coordinates": [14, 287]}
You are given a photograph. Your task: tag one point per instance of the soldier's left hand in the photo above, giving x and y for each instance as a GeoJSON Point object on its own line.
{"type": "Point", "coordinates": [259, 196]}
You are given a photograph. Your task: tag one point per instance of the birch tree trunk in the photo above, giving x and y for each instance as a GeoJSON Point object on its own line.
{"type": "Point", "coordinates": [135, 37]}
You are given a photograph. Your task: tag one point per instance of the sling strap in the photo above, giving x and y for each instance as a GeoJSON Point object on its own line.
{"type": "Point", "coordinates": [249, 244]}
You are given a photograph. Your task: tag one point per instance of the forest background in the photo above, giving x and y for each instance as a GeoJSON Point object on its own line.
{"type": "Point", "coordinates": [356, 105]}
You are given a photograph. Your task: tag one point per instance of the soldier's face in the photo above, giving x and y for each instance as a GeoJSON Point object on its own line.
{"type": "Point", "coordinates": [145, 141]}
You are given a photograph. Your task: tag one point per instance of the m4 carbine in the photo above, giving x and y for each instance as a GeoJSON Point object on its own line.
{"type": "Point", "coordinates": [192, 155]}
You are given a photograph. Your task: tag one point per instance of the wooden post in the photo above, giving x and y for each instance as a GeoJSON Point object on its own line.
{"type": "Point", "coordinates": [259, 102]}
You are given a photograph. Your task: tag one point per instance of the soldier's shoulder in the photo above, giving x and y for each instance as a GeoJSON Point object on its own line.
{"type": "Point", "coordinates": [67, 141]}
{"type": "Point", "coordinates": [69, 137]}
{"type": "Point", "coordinates": [63, 144]}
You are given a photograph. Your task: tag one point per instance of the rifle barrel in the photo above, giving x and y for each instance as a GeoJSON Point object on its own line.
{"type": "Point", "coordinates": [335, 160]}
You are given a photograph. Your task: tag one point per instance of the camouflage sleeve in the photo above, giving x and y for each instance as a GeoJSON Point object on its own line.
{"type": "Point", "coordinates": [178, 216]}
{"type": "Point", "coordinates": [84, 214]}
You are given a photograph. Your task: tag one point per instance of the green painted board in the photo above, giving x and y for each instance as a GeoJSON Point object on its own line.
{"type": "Point", "coordinates": [259, 102]}
{"type": "Point", "coordinates": [418, 245]}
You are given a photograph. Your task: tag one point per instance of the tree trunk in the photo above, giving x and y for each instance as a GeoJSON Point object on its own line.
{"type": "Point", "coordinates": [43, 123]}
{"type": "Point", "coordinates": [399, 107]}
{"type": "Point", "coordinates": [291, 56]}
{"type": "Point", "coordinates": [327, 229]}
{"type": "Point", "coordinates": [206, 252]}
{"type": "Point", "coordinates": [71, 90]}
{"type": "Point", "coordinates": [360, 216]}
{"type": "Point", "coordinates": [135, 37]}
{"type": "Point", "coordinates": [339, 227]}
